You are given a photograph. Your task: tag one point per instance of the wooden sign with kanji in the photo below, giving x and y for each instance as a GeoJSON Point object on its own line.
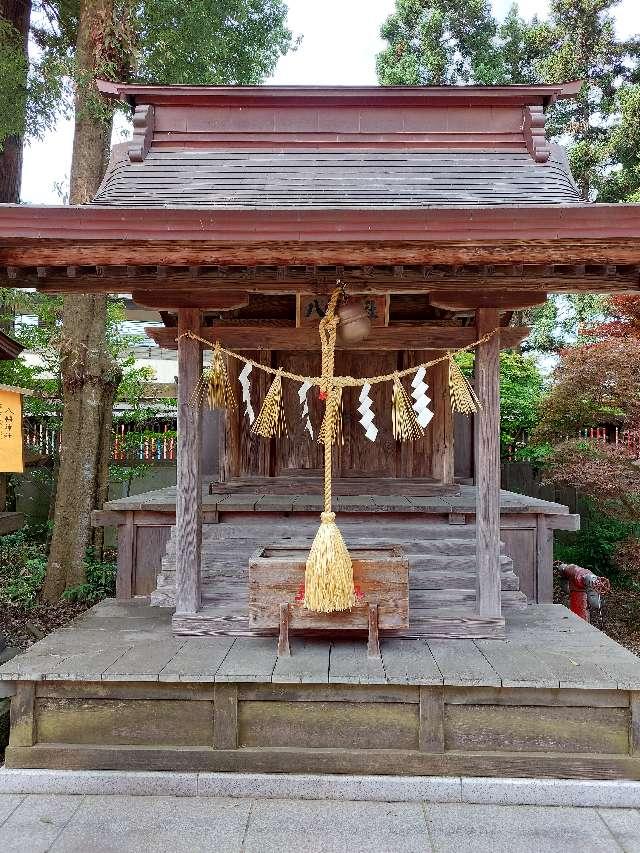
{"type": "Point", "coordinates": [11, 445]}
{"type": "Point", "coordinates": [311, 308]}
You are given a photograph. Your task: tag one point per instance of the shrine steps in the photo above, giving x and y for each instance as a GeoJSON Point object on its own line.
{"type": "Point", "coordinates": [442, 577]}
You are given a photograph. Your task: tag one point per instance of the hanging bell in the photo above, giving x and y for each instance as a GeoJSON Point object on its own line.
{"type": "Point", "coordinates": [354, 325]}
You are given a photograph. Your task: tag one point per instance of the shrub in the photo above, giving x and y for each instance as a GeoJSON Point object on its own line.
{"type": "Point", "coordinates": [100, 582]}
{"type": "Point", "coordinates": [23, 563]}
{"type": "Point", "coordinates": [598, 545]}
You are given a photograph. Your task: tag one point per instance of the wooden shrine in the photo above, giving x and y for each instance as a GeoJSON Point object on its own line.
{"type": "Point", "coordinates": [233, 211]}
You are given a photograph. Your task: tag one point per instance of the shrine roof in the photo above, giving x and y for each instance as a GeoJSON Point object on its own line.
{"type": "Point", "coordinates": [309, 177]}
{"type": "Point", "coordinates": [357, 148]}
{"type": "Point", "coordinates": [261, 180]}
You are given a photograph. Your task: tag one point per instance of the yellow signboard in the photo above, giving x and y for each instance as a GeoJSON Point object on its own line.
{"type": "Point", "coordinates": [11, 459]}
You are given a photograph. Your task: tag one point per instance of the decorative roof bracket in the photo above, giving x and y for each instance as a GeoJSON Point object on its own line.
{"type": "Point", "coordinates": [534, 135]}
{"type": "Point", "coordinates": [143, 126]}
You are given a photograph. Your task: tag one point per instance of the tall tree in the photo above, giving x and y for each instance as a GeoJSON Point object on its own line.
{"type": "Point", "coordinates": [14, 69]}
{"type": "Point", "coordinates": [237, 41]}
{"type": "Point", "coordinates": [579, 42]}
{"type": "Point", "coordinates": [439, 42]}
{"type": "Point", "coordinates": [89, 373]}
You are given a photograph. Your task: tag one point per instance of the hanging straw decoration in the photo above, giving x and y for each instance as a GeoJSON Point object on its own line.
{"type": "Point", "coordinates": [463, 397]}
{"type": "Point", "coordinates": [328, 580]}
{"type": "Point", "coordinates": [404, 420]}
{"type": "Point", "coordinates": [214, 386]}
{"type": "Point", "coordinates": [271, 418]}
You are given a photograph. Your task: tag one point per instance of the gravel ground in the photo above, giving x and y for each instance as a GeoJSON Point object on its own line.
{"type": "Point", "coordinates": [619, 617]}
{"type": "Point", "coordinates": [22, 627]}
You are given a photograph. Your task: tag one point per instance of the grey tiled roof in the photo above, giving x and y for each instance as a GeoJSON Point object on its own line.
{"type": "Point", "coordinates": [195, 178]}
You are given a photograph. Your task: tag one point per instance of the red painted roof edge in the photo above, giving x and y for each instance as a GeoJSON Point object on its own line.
{"type": "Point", "coordinates": [66, 224]}
{"type": "Point", "coordinates": [335, 95]}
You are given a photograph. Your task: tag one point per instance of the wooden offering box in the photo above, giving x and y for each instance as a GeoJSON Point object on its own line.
{"type": "Point", "coordinates": [276, 589]}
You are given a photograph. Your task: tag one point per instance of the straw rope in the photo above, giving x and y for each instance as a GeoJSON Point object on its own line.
{"type": "Point", "coordinates": [343, 381]}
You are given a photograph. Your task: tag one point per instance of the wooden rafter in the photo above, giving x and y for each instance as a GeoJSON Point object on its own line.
{"type": "Point", "coordinates": [162, 284]}
{"type": "Point", "coordinates": [172, 300]}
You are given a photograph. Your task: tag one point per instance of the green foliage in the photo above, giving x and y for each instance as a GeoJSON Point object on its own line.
{"type": "Point", "coordinates": [521, 389]}
{"type": "Point", "coordinates": [23, 563]}
{"type": "Point", "coordinates": [14, 69]}
{"type": "Point", "coordinates": [621, 179]}
{"type": "Point", "coordinates": [100, 581]}
{"type": "Point", "coordinates": [28, 93]}
{"type": "Point", "coordinates": [595, 545]}
{"type": "Point", "coordinates": [560, 320]}
{"type": "Point", "coordinates": [223, 42]}
{"type": "Point", "coordinates": [439, 42]}
{"type": "Point", "coordinates": [579, 43]}
{"type": "Point", "coordinates": [148, 41]}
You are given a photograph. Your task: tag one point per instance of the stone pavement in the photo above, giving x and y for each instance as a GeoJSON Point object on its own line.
{"type": "Point", "coordinates": [35, 823]}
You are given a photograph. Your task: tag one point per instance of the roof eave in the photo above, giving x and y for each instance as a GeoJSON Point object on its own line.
{"type": "Point", "coordinates": [68, 224]}
{"type": "Point", "coordinates": [339, 95]}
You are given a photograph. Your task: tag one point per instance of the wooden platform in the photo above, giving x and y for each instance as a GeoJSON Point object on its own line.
{"type": "Point", "coordinates": [241, 499]}
{"type": "Point", "coordinates": [117, 690]}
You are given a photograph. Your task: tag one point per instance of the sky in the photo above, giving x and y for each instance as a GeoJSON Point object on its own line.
{"type": "Point", "coordinates": [340, 40]}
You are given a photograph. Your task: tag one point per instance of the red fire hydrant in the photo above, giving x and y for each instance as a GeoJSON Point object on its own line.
{"type": "Point", "coordinates": [584, 589]}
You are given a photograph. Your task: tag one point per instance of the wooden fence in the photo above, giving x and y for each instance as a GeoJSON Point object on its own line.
{"type": "Point", "coordinates": [524, 478]}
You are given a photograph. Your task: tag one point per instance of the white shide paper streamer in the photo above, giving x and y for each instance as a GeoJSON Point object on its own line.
{"type": "Point", "coordinates": [243, 379]}
{"type": "Point", "coordinates": [419, 394]}
{"type": "Point", "coordinates": [370, 429]}
{"type": "Point", "coordinates": [302, 396]}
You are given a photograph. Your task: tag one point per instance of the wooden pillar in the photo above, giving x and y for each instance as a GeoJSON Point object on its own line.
{"type": "Point", "coordinates": [189, 489]}
{"type": "Point", "coordinates": [443, 458]}
{"type": "Point", "coordinates": [487, 466]}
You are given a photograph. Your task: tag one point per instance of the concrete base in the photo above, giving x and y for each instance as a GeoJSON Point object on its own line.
{"type": "Point", "coordinates": [435, 789]}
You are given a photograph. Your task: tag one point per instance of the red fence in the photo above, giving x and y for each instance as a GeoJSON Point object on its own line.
{"type": "Point", "coordinates": [156, 443]}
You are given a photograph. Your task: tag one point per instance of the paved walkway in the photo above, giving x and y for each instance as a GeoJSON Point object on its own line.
{"type": "Point", "coordinates": [129, 824]}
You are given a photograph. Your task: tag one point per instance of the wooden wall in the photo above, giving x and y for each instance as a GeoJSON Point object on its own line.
{"type": "Point", "coordinates": [243, 454]}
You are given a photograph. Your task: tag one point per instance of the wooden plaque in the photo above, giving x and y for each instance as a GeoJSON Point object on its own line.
{"type": "Point", "coordinates": [311, 308]}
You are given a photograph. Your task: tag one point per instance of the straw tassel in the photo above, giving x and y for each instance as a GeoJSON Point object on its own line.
{"type": "Point", "coordinates": [463, 397]}
{"type": "Point", "coordinates": [328, 580]}
{"type": "Point", "coordinates": [404, 420]}
{"type": "Point", "coordinates": [214, 386]}
{"type": "Point", "coordinates": [271, 419]}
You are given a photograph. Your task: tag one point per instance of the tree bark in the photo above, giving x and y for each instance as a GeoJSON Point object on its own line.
{"type": "Point", "coordinates": [89, 374]}
{"type": "Point", "coordinates": [18, 13]}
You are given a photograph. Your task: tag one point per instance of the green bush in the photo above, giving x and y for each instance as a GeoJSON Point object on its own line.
{"type": "Point", "coordinates": [595, 544]}
{"type": "Point", "coordinates": [100, 583]}
{"type": "Point", "coordinates": [23, 563]}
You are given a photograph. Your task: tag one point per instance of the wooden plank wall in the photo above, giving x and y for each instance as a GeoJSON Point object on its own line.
{"type": "Point", "coordinates": [243, 454]}
{"type": "Point", "coordinates": [455, 729]}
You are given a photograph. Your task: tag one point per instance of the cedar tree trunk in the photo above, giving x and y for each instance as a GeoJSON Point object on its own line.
{"type": "Point", "coordinates": [89, 373]}
{"type": "Point", "coordinates": [18, 13]}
